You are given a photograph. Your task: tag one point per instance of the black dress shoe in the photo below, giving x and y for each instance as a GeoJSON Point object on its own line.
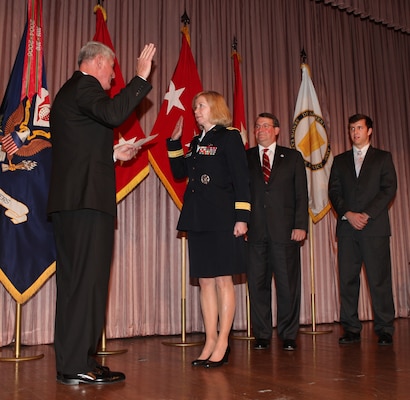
{"type": "Point", "coordinates": [289, 345]}
{"type": "Point", "coordinates": [98, 376]}
{"type": "Point", "coordinates": [98, 366]}
{"type": "Point", "coordinates": [198, 362]}
{"type": "Point", "coordinates": [102, 368]}
{"type": "Point", "coordinates": [385, 339]}
{"type": "Point", "coordinates": [261, 344]}
{"type": "Point", "coordinates": [349, 337]}
{"type": "Point", "coordinates": [214, 364]}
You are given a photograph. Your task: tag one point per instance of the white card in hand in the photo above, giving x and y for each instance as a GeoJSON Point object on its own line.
{"type": "Point", "coordinates": [138, 143]}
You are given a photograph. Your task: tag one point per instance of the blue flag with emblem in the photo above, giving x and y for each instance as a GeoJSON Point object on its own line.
{"type": "Point", "coordinates": [27, 252]}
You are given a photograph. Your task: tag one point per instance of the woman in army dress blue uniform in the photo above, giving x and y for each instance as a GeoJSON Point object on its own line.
{"type": "Point", "coordinates": [215, 214]}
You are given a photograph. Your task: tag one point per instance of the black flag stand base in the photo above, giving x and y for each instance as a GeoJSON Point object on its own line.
{"type": "Point", "coordinates": [183, 342]}
{"type": "Point", "coordinates": [17, 353]}
{"type": "Point", "coordinates": [248, 320]}
{"type": "Point", "coordinates": [312, 287]}
{"type": "Point", "coordinates": [103, 351]}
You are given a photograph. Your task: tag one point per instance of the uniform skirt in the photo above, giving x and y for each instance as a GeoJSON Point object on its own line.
{"type": "Point", "coordinates": [216, 253]}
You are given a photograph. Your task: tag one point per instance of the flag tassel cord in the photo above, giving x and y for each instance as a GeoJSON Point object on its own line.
{"type": "Point", "coordinates": [17, 347]}
{"type": "Point", "coordinates": [314, 331]}
{"type": "Point", "coordinates": [183, 342]}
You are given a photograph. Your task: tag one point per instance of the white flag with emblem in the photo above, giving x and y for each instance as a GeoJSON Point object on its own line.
{"type": "Point", "coordinates": [309, 136]}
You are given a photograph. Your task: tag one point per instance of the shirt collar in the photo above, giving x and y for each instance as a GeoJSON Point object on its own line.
{"type": "Point", "coordinates": [203, 133]}
{"type": "Point", "coordinates": [272, 148]}
{"type": "Point", "coordinates": [363, 149]}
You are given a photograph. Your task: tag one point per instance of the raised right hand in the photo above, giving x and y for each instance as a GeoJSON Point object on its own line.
{"type": "Point", "coordinates": [144, 61]}
{"type": "Point", "coordinates": [177, 132]}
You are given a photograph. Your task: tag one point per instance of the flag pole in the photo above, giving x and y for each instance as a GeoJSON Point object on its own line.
{"type": "Point", "coordinates": [183, 235]}
{"type": "Point", "coordinates": [183, 342]}
{"type": "Point", "coordinates": [239, 123]}
{"type": "Point", "coordinates": [17, 347]}
{"type": "Point", "coordinates": [102, 35]}
{"type": "Point", "coordinates": [248, 318]}
{"type": "Point", "coordinates": [103, 350]}
{"type": "Point", "coordinates": [307, 106]}
{"type": "Point", "coordinates": [312, 286]}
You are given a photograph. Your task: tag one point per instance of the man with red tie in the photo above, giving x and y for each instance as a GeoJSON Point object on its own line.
{"type": "Point", "coordinates": [278, 225]}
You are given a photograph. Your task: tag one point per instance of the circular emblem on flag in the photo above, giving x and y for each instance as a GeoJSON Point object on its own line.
{"type": "Point", "coordinates": [205, 179]}
{"type": "Point", "coordinates": [308, 134]}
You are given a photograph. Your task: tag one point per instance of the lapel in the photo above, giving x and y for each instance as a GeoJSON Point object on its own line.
{"type": "Point", "coordinates": [277, 161]}
{"type": "Point", "coordinates": [367, 162]}
{"type": "Point", "coordinates": [211, 136]}
{"type": "Point", "coordinates": [194, 144]}
{"type": "Point", "coordinates": [255, 164]}
{"type": "Point", "coordinates": [351, 165]}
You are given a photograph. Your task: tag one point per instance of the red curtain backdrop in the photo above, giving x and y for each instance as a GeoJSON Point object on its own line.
{"type": "Point", "coordinates": [359, 58]}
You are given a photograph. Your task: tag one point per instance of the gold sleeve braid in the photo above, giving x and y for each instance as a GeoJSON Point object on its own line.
{"type": "Point", "coordinates": [175, 153]}
{"type": "Point", "coordinates": [242, 205]}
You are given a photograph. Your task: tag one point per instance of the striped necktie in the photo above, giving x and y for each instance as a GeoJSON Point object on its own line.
{"type": "Point", "coordinates": [265, 165]}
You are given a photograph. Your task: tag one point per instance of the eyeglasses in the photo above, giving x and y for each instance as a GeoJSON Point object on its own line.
{"type": "Point", "coordinates": [263, 126]}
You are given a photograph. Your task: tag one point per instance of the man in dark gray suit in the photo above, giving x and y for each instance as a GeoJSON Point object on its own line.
{"type": "Point", "coordinates": [278, 224]}
{"type": "Point", "coordinates": [82, 204]}
{"type": "Point", "coordinates": [362, 184]}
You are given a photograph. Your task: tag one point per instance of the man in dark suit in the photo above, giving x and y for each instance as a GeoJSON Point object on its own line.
{"type": "Point", "coordinates": [361, 186]}
{"type": "Point", "coordinates": [278, 224]}
{"type": "Point", "coordinates": [82, 204]}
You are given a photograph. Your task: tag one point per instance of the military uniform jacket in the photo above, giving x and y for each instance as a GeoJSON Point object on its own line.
{"type": "Point", "coordinates": [370, 192]}
{"type": "Point", "coordinates": [217, 193]}
{"type": "Point", "coordinates": [82, 119]}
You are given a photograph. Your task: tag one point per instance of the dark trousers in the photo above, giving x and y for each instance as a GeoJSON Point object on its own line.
{"type": "Point", "coordinates": [374, 253]}
{"type": "Point", "coordinates": [84, 243]}
{"type": "Point", "coordinates": [283, 261]}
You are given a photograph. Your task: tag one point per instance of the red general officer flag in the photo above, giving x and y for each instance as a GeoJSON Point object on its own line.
{"type": "Point", "coordinates": [238, 100]}
{"type": "Point", "coordinates": [130, 173]}
{"type": "Point", "coordinates": [184, 85]}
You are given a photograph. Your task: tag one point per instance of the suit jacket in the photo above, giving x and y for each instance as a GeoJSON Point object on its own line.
{"type": "Point", "coordinates": [217, 194]}
{"type": "Point", "coordinates": [82, 119]}
{"type": "Point", "coordinates": [281, 205]}
{"type": "Point", "coordinates": [370, 192]}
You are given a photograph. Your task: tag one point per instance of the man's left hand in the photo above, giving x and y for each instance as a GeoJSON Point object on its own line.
{"type": "Point", "coordinates": [298, 235]}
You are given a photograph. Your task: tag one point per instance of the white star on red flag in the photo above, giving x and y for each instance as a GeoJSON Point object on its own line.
{"type": "Point", "coordinates": [173, 96]}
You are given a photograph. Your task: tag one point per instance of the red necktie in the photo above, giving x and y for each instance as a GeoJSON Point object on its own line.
{"type": "Point", "coordinates": [266, 165]}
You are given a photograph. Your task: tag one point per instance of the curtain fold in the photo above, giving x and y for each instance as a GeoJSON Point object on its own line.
{"type": "Point", "coordinates": [357, 66]}
{"type": "Point", "coordinates": [392, 13]}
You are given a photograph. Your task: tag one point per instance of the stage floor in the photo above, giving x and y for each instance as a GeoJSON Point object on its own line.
{"type": "Point", "coordinates": [320, 368]}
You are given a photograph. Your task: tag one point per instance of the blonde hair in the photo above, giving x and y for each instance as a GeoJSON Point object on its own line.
{"type": "Point", "coordinates": [220, 114]}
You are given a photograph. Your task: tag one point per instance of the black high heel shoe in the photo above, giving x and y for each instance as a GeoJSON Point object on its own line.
{"type": "Point", "coordinates": [198, 362]}
{"type": "Point", "coordinates": [214, 364]}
